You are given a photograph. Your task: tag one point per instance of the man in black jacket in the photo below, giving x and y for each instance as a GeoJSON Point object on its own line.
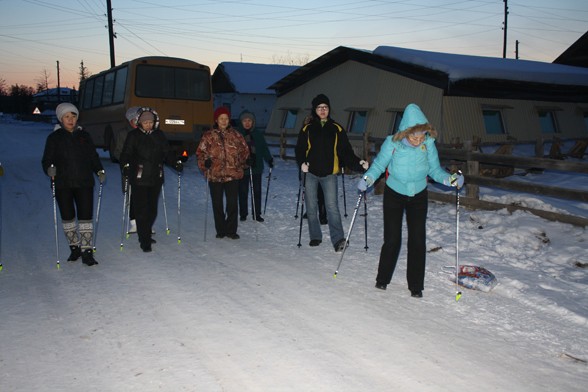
{"type": "Point", "coordinates": [322, 144]}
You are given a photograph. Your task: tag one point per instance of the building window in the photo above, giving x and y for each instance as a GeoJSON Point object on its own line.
{"type": "Point", "coordinates": [395, 123]}
{"type": "Point", "coordinates": [493, 122]}
{"type": "Point", "coordinates": [547, 121]}
{"type": "Point", "coordinates": [289, 120]}
{"type": "Point", "coordinates": [357, 121]}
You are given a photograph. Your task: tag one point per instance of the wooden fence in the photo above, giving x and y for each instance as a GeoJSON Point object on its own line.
{"type": "Point", "coordinates": [473, 163]}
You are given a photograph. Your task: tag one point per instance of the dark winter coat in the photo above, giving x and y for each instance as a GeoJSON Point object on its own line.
{"type": "Point", "coordinates": [74, 156]}
{"type": "Point", "coordinates": [257, 145]}
{"type": "Point", "coordinates": [146, 154]}
{"type": "Point", "coordinates": [325, 147]}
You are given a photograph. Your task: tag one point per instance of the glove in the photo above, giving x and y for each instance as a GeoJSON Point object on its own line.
{"type": "Point", "coordinates": [456, 179]}
{"type": "Point", "coordinates": [101, 176]}
{"type": "Point", "coordinates": [179, 166]}
{"type": "Point", "coordinates": [304, 167]}
{"type": "Point", "coordinates": [251, 160]}
{"type": "Point", "coordinates": [125, 170]}
{"type": "Point", "coordinates": [364, 184]}
{"type": "Point", "coordinates": [51, 171]}
{"type": "Point", "coordinates": [364, 164]}
{"type": "Point", "coordinates": [208, 163]}
{"type": "Point", "coordinates": [271, 163]}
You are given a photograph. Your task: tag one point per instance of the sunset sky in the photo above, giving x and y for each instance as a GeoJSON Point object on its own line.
{"type": "Point", "coordinates": [35, 34]}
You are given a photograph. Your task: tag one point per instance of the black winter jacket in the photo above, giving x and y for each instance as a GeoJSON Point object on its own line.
{"type": "Point", "coordinates": [74, 156]}
{"type": "Point", "coordinates": [325, 148]}
{"type": "Point", "coordinates": [146, 155]}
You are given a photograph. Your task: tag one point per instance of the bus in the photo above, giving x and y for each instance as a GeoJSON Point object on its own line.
{"type": "Point", "coordinates": [179, 90]}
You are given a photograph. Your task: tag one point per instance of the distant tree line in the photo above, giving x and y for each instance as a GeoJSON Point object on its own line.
{"type": "Point", "coordinates": [18, 99]}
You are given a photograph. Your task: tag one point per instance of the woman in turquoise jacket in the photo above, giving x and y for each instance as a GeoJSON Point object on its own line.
{"type": "Point", "coordinates": [410, 156]}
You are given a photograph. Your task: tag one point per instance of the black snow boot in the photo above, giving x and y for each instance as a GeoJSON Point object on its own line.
{"type": "Point", "coordinates": [75, 254]}
{"type": "Point", "coordinates": [88, 258]}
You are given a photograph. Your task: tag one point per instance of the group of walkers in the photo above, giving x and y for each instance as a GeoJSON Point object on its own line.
{"type": "Point", "coordinates": [232, 161]}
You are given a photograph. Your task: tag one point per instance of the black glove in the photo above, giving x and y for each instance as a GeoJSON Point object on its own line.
{"type": "Point", "coordinates": [271, 163]}
{"type": "Point", "coordinates": [251, 160]}
{"type": "Point", "coordinates": [179, 166]}
{"type": "Point", "coordinates": [125, 170]}
{"type": "Point", "coordinates": [208, 163]}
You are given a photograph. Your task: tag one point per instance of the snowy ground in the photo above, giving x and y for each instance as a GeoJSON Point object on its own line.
{"type": "Point", "coordinates": [261, 314]}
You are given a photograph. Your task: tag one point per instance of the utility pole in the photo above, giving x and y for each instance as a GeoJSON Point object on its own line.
{"type": "Point", "coordinates": [505, 26]}
{"type": "Point", "coordinates": [111, 35]}
{"type": "Point", "coordinates": [58, 85]}
{"type": "Point", "coordinates": [517, 49]}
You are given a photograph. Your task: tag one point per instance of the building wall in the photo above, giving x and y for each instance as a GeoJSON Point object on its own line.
{"type": "Point", "coordinates": [356, 85]}
{"type": "Point", "coordinates": [260, 104]}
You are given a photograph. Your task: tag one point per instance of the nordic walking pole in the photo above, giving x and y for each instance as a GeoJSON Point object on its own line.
{"type": "Point", "coordinates": [302, 190]}
{"type": "Point", "coordinates": [164, 208]}
{"type": "Point", "coordinates": [179, 205]}
{"type": "Point", "coordinates": [365, 214]}
{"type": "Point", "coordinates": [298, 199]}
{"type": "Point", "coordinates": [55, 220]}
{"type": "Point", "coordinates": [97, 217]}
{"type": "Point", "coordinates": [206, 204]}
{"type": "Point", "coordinates": [361, 195]}
{"type": "Point", "coordinates": [269, 178]}
{"type": "Point", "coordinates": [344, 196]}
{"type": "Point", "coordinates": [253, 203]}
{"type": "Point", "coordinates": [128, 213]}
{"type": "Point", "coordinates": [458, 292]}
{"type": "Point", "coordinates": [124, 210]}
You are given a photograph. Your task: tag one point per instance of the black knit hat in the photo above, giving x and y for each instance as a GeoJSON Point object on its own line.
{"type": "Point", "coordinates": [321, 98]}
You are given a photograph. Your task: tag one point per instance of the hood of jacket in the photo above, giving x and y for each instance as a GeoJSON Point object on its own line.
{"type": "Point", "coordinates": [414, 121]}
{"type": "Point", "coordinates": [143, 110]}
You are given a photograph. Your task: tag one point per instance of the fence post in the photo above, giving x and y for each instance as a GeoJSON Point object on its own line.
{"type": "Point", "coordinates": [472, 167]}
{"type": "Point", "coordinates": [283, 144]}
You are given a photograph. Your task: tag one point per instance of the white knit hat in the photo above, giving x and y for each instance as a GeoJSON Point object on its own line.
{"type": "Point", "coordinates": [63, 108]}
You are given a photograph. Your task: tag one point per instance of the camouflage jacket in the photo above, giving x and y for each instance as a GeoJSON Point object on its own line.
{"type": "Point", "coordinates": [227, 150]}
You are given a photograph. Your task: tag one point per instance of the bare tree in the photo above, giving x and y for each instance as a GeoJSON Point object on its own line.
{"type": "Point", "coordinates": [3, 89]}
{"type": "Point", "coordinates": [289, 59]}
{"type": "Point", "coordinates": [84, 73]}
{"type": "Point", "coordinates": [43, 80]}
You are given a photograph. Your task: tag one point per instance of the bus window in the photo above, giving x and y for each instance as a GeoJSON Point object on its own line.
{"type": "Point", "coordinates": [172, 83]}
{"type": "Point", "coordinates": [120, 85]}
{"type": "Point", "coordinates": [88, 88]}
{"type": "Point", "coordinates": [108, 87]}
{"type": "Point", "coordinates": [97, 96]}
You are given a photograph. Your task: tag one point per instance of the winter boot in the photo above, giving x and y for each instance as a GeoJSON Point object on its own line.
{"type": "Point", "coordinates": [75, 254]}
{"type": "Point", "coordinates": [88, 258]}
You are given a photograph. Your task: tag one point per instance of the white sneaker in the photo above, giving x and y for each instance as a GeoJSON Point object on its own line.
{"type": "Point", "coordinates": [132, 226]}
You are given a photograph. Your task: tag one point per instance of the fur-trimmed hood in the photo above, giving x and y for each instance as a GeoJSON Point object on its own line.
{"type": "Point", "coordinates": [414, 121]}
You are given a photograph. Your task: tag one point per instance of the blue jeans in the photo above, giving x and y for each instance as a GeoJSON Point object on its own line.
{"type": "Point", "coordinates": [330, 190]}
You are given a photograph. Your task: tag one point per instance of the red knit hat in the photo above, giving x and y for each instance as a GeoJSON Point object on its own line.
{"type": "Point", "coordinates": [221, 110]}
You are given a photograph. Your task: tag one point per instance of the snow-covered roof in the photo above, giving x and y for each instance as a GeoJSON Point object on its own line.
{"type": "Point", "coordinates": [250, 78]}
{"type": "Point", "coordinates": [53, 91]}
{"type": "Point", "coordinates": [458, 67]}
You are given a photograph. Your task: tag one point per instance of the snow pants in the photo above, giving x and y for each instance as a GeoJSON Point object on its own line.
{"type": "Point", "coordinates": [416, 208]}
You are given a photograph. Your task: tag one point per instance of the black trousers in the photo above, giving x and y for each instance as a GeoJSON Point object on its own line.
{"type": "Point", "coordinates": [244, 194]}
{"type": "Point", "coordinates": [75, 202]}
{"type": "Point", "coordinates": [416, 208]}
{"type": "Point", "coordinates": [225, 223]}
{"type": "Point", "coordinates": [145, 200]}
